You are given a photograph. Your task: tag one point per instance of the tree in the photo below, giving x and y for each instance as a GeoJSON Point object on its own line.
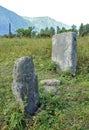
{"type": "Point", "coordinates": [20, 32]}
{"type": "Point", "coordinates": [26, 32]}
{"type": "Point", "coordinates": [84, 30]}
{"type": "Point", "coordinates": [74, 28]}
{"type": "Point", "coordinates": [44, 32]}
{"type": "Point", "coordinates": [51, 31]}
{"type": "Point", "coordinates": [58, 29]}
{"type": "Point", "coordinates": [33, 34]}
{"type": "Point", "coordinates": [81, 29]}
{"type": "Point", "coordinates": [30, 29]}
{"type": "Point", "coordinates": [63, 29]}
{"type": "Point", "coordinates": [47, 32]}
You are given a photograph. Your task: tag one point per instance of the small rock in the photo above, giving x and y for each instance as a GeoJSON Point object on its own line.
{"type": "Point", "coordinates": [50, 82]}
{"type": "Point", "coordinates": [50, 89]}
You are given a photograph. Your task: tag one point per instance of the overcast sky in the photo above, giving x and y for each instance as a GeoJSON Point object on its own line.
{"type": "Point", "coordinates": [67, 11]}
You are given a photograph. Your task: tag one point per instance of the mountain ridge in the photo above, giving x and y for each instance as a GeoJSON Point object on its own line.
{"type": "Point", "coordinates": [17, 21]}
{"type": "Point", "coordinates": [46, 21]}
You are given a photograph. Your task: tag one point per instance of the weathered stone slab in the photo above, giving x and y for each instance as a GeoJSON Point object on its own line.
{"type": "Point", "coordinates": [64, 51]}
{"type": "Point", "coordinates": [50, 85]}
{"type": "Point", "coordinates": [50, 82]}
{"type": "Point", "coordinates": [51, 89]}
{"type": "Point", "coordinates": [25, 85]}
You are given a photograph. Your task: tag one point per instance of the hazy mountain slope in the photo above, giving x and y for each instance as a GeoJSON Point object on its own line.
{"type": "Point", "coordinates": [16, 21]}
{"type": "Point", "coordinates": [43, 22]}
{"type": "Point", "coordinates": [7, 16]}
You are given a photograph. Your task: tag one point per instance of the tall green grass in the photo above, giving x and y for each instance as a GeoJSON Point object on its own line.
{"type": "Point", "coordinates": [83, 53]}
{"type": "Point", "coordinates": [67, 111]}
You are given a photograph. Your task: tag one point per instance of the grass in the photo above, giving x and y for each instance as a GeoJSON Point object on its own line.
{"type": "Point", "coordinates": [67, 111]}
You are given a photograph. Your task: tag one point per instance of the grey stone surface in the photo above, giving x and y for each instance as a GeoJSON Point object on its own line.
{"type": "Point", "coordinates": [50, 82]}
{"type": "Point", "coordinates": [50, 89]}
{"type": "Point", "coordinates": [50, 85]}
{"type": "Point", "coordinates": [25, 85]}
{"type": "Point", "coordinates": [64, 51]}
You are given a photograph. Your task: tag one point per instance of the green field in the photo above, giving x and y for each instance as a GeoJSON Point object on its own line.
{"type": "Point", "coordinates": [67, 111]}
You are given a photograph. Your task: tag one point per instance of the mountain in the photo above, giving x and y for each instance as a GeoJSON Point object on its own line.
{"type": "Point", "coordinates": [43, 22]}
{"type": "Point", "coordinates": [9, 17]}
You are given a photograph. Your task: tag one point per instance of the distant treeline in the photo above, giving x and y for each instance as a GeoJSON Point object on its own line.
{"type": "Point", "coordinates": [47, 32]}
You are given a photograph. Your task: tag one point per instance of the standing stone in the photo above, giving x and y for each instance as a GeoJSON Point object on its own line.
{"type": "Point", "coordinates": [25, 85]}
{"type": "Point", "coordinates": [64, 51]}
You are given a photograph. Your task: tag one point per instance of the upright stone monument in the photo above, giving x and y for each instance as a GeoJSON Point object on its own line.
{"type": "Point", "coordinates": [25, 85]}
{"type": "Point", "coordinates": [64, 51]}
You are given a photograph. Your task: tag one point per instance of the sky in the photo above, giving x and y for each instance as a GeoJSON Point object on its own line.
{"type": "Point", "coordinates": [67, 11]}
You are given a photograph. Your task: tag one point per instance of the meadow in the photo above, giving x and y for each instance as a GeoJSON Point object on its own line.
{"type": "Point", "coordinates": [67, 111]}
